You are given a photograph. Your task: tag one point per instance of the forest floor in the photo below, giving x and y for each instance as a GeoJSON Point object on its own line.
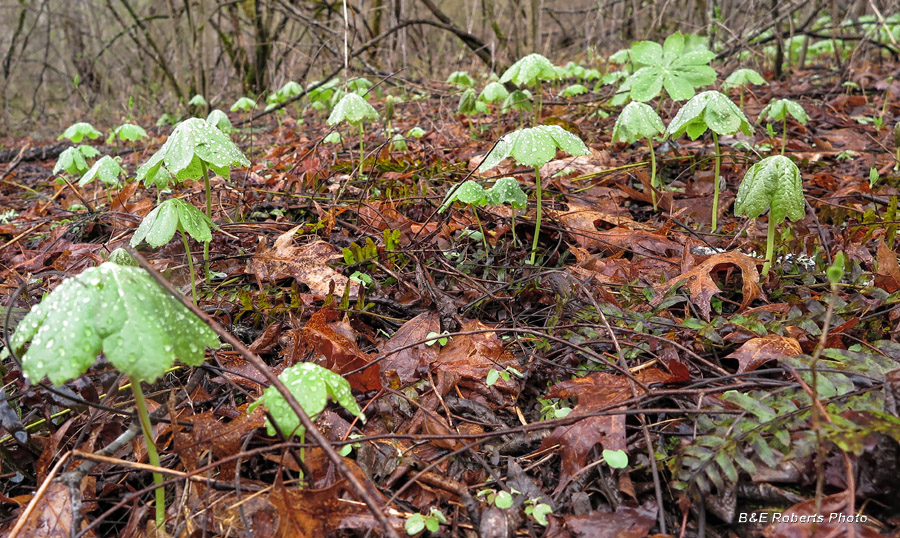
{"type": "Point", "coordinates": [735, 397]}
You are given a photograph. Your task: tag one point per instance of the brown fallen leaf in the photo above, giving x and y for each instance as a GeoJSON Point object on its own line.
{"type": "Point", "coordinates": [625, 522]}
{"type": "Point", "coordinates": [52, 517]}
{"type": "Point", "coordinates": [639, 241]}
{"type": "Point", "coordinates": [757, 351]}
{"type": "Point", "coordinates": [581, 220]}
{"type": "Point", "coordinates": [833, 508]}
{"type": "Point", "coordinates": [888, 275]}
{"type": "Point", "coordinates": [409, 363]}
{"type": "Point", "coordinates": [341, 353]}
{"type": "Point", "coordinates": [702, 287]}
{"type": "Point", "coordinates": [593, 392]}
{"type": "Point", "coordinates": [307, 264]}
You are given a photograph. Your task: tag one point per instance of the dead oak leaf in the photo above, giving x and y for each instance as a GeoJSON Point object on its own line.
{"type": "Point", "coordinates": [341, 353]}
{"type": "Point", "coordinates": [888, 275]}
{"type": "Point", "coordinates": [581, 220]}
{"type": "Point", "coordinates": [702, 286]}
{"type": "Point", "coordinates": [307, 264]}
{"type": "Point", "coordinates": [404, 364]}
{"type": "Point", "coordinates": [757, 351]}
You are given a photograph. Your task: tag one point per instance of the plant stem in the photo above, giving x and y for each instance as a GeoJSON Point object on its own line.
{"type": "Point", "coordinates": [362, 154]}
{"type": "Point", "coordinates": [205, 171]}
{"type": "Point", "coordinates": [652, 172]}
{"type": "Point", "coordinates": [190, 259]}
{"type": "Point", "coordinates": [537, 224]}
{"type": "Point", "coordinates": [770, 246]}
{"type": "Point", "coordinates": [742, 97]}
{"type": "Point", "coordinates": [897, 165]}
{"type": "Point", "coordinates": [152, 454]}
{"type": "Point", "coordinates": [539, 102]}
{"type": "Point", "coordinates": [715, 207]}
{"type": "Point", "coordinates": [783, 134]}
{"type": "Point", "coordinates": [480, 228]}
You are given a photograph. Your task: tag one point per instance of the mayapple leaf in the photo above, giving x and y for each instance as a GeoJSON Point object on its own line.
{"type": "Point", "coordinates": [507, 190]}
{"type": "Point", "coordinates": [198, 100]}
{"type": "Point", "coordinates": [494, 92]}
{"type": "Point", "coordinates": [120, 256]}
{"type": "Point", "coordinates": [71, 161]}
{"type": "Point", "coordinates": [311, 385]}
{"type": "Point", "coordinates": [333, 137]}
{"type": "Point", "coordinates": [775, 183]}
{"type": "Point", "coordinates": [530, 70]}
{"type": "Point", "coordinates": [89, 152]}
{"type": "Point", "coordinates": [194, 140]}
{"type": "Point", "coordinates": [709, 110]}
{"type": "Point", "coordinates": [416, 132]}
{"type": "Point", "coordinates": [323, 93]}
{"type": "Point", "coordinates": [637, 121]}
{"type": "Point", "coordinates": [127, 132]}
{"type": "Point", "coordinates": [534, 146]}
{"type": "Point", "coordinates": [107, 169]}
{"type": "Point", "coordinates": [470, 192]}
{"type": "Point", "coordinates": [359, 85]}
{"type": "Point", "coordinates": [353, 109]}
{"type": "Point", "coordinates": [460, 78]}
{"type": "Point", "coordinates": [573, 90]}
{"type": "Point", "coordinates": [679, 65]}
{"type": "Point", "coordinates": [244, 104]}
{"type": "Point", "coordinates": [518, 100]}
{"type": "Point", "coordinates": [779, 109]}
{"type": "Point", "coordinates": [160, 225]}
{"type": "Point", "coordinates": [398, 142]}
{"type": "Point", "coordinates": [77, 131]}
{"type": "Point", "coordinates": [119, 311]}
{"type": "Point", "coordinates": [467, 102]}
{"type": "Point", "coordinates": [743, 77]}
{"type": "Point", "coordinates": [220, 120]}
{"type": "Point", "coordinates": [289, 90]}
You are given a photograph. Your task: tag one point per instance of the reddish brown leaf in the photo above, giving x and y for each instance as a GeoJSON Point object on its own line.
{"type": "Point", "coordinates": [757, 351]}
{"type": "Point", "coordinates": [407, 364]}
{"type": "Point", "coordinates": [625, 522]}
{"type": "Point", "coordinates": [52, 517]}
{"type": "Point", "coordinates": [307, 264]}
{"type": "Point", "coordinates": [703, 287]}
{"type": "Point", "coordinates": [888, 275]}
{"type": "Point", "coordinates": [341, 353]}
{"type": "Point", "coordinates": [581, 219]}
{"type": "Point", "coordinates": [834, 507]}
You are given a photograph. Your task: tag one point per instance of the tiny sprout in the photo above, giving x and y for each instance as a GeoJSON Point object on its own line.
{"type": "Point", "coordinates": [220, 120]}
{"type": "Point", "coordinates": [398, 142]}
{"type": "Point", "coordinates": [835, 271]}
{"type": "Point", "coordinates": [127, 132]}
{"type": "Point", "coordinates": [333, 137]}
{"type": "Point", "coordinates": [244, 104]}
{"type": "Point", "coordinates": [617, 459]}
{"type": "Point", "coordinates": [433, 338]}
{"type": "Point", "coordinates": [77, 131]}
{"type": "Point", "coordinates": [741, 78]}
{"type": "Point", "coordinates": [416, 132]}
{"type": "Point", "coordinates": [779, 110]}
{"type": "Point", "coordinates": [198, 101]}
{"type": "Point", "coordinates": [573, 90]}
{"type": "Point", "coordinates": [460, 78]}
{"type": "Point", "coordinates": [774, 183]}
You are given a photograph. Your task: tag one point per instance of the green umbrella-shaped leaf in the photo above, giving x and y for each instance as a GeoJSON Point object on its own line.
{"type": "Point", "coordinates": [160, 225]}
{"type": "Point", "coordinates": [77, 131]}
{"type": "Point", "coordinates": [775, 183]}
{"type": "Point", "coordinates": [743, 77]}
{"type": "Point", "coordinates": [680, 66]}
{"type": "Point", "coordinates": [127, 132]}
{"type": "Point", "coordinates": [779, 109]}
{"type": "Point", "coordinates": [529, 70]}
{"type": "Point", "coordinates": [113, 309]}
{"type": "Point", "coordinates": [466, 102]}
{"type": "Point", "coordinates": [220, 120]}
{"type": "Point", "coordinates": [637, 121]}
{"type": "Point", "coordinates": [573, 90]}
{"type": "Point", "coordinates": [507, 190]}
{"type": "Point", "coordinates": [198, 100]}
{"type": "Point", "coordinates": [311, 385]}
{"type": "Point", "coordinates": [709, 110]}
{"type": "Point", "coordinates": [359, 85]}
{"type": "Point", "coordinates": [89, 152]}
{"type": "Point", "coordinates": [470, 192]}
{"type": "Point", "coordinates": [107, 169]}
{"type": "Point", "coordinates": [493, 93]}
{"type": "Point", "coordinates": [534, 146]}
{"type": "Point", "coordinates": [460, 78]}
{"type": "Point", "coordinates": [353, 109]}
{"type": "Point", "coordinates": [416, 132]}
{"type": "Point", "coordinates": [244, 104]}
{"type": "Point", "coordinates": [72, 161]}
{"type": "Point", "coordinates": [518, 100]}
{"type": "Point", "coordinates": [289, 90]}
{"type": "Point", "coordinates": [194, 140]}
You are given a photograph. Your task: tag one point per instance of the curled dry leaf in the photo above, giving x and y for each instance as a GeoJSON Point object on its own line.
{"type": "Point", "coordinates": [888, 275]}
{"type": "Point", "coordinates": [757, 351]}
{"type": "Point", "coordinates": [833, 507]}
{"type": "Point", "coordinates": [307, 264]}
{"type": "Point", "coordinates": [703, 287]}
{"type": "Point", "coordinates": [341, 353]}
{"type": "Point", "coordinates": [406, 365]}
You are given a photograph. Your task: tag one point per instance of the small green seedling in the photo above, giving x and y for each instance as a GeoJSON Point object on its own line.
{"type": "Point", "coordinates": [538, 510]}
{"type": "Point", "coordinates": [678, 66]}
{"type": "Point", "coordinates": [121, 312]}
{"type": "Point", "coordinates": [773, 183]}
{"type": "Point", "coordinates": [333, 137]}
{"type": "Point", "coordinates": [78, 131]}
{"type": "Point", "coordinates": [874, 176]}
{"type": "Point", "coordinates": [108, 170]}
{"type": "Point", "coordinates": [470, 105]}
{"type": "Point", "coordinates": [714, 111]}
{"type": "Point", "coordinates": [534, 147]}
{"type": "Point", "coordinates": [639, 121]}
{"type": "Point", "coordinates": [160, 225]}
{"type": "Point", "coordinates": [573, 90]}
{"type": "Point", "coordinates": [416, 132]}
{"type": "Point", "coordinates": [194, 148]}
{"type": "Point", "coordinates": [345, 450]}
{"type": "Point", "coordinates": [433, 338]}
{"type": "Point", "coordinates": [531, 70]}
{"type": "Point", "coordinates": [198, 101]}
{"type": "Point", "coordinates": [220, 120]}
{"type": "Point", "coordinates": [244, 104]}
{"type": "Point", "coordinates": [127, 132]}
{"type": "Point", "coordinates": [398, 143]}
{"type": "Point", "coordinates": [519, 100]}
{"type": "Point", "coordinates": [741, 78]}
{"type": "Point", "coordinates": [494, 92]}
{"type": "Point", "coordinates": [501, 499]}
{"type": "Point", "coordinates": [617, 459]}
{"type": "Point", "coordinates": [354, 110]}
{"type": "Point", "coordinates": [552, 408]}
{"type": "Point", "coordinates": [494, 375]}
{"type": "Point", "coordinates": [460, 79]}
{"type": "Point", "coordinates": [779, 110]}
{"type": "Point", "coordinates": [416, 523]}
{"type": "Point", "coordinates": [835, 271]}
{"type": "Point", "coordinates": [506, 190]}
{"type": "Point", "coordinates": [73, 160]}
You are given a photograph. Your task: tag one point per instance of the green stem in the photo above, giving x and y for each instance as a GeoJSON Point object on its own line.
{"type": "Point", "coordinates": [481, 229]}
{"type": "Point", "coordinates": [742, 97]}
{"type": "Point", "coordinates": [652, 171]}
{"type": "Point", "coordinates": [205, 171]}
{"type": "Point", "coordinates": [537, 224]}
{"type": "Point", "coordinates": [897, 165]}
{"type": "Point", "coordinates": [783, 133]}
{"type": "Point", "coordinates": [715, 207]}
{"type": "Point", "coordinates": [539, 102]}
{"type": "Point", "coordinates": [770, 246]}
{"type": "Point", "coordinates": [515, 239]}
{"type": "Point", "coordinates": [362, 153]}
{"type": "Point", "coordinates": [190, 260]}
{"type": "Point", "coordinates": [152, 454]}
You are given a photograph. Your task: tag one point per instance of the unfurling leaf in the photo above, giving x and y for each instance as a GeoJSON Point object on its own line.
{"type": "Point", "coordinates": [534, 146]}
{"type": "Point", "coordinates": [636, 122]}
{"type": "Point", "coordinates": [529, 70]}
{"type": "Point", "coordinates": [160, 225]}
{"type": "Point", "coordinates": [352, 109]}
{"type": "Point", "coordinates": [775, 183]}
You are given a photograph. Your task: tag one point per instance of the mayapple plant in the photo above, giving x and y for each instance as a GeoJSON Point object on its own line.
{"type": "Point", "coordinates": [493, 92]}
{"type": "Point", "coordinates": [220, 120]}
{"type": "Point", "coordinates": [680, 65]}
{"type": "Point", "coordinates": [246, 105]}
{"type": "Point", "coordinates": [160, 225]}
{"type": "Point", "coordinates": [122, 312]}
{"type": "Point", "coordinates": [198, 101]}
{"type": "Point", "coordinates": [74, 160]}
{"type": "Point", "coordinates": [127, 132]}
{"type": "Point", "coordinates": [639, 121]}
{"type": "Point", "coordinates": [531, 70]}
{"type": "Point", "coordinates": [354, 110]}
{"type": "Point", "coordinates": [773, 183]}
{"type": "Point", "coordinates": [320, 97]}
{"type": "Point", "coordinates": [78, 131]}
{"type": "Point", "coordinates": [460, 79]}
{"type": "Point", "coordinates": [107, 170]}
{"type": "Point", "coordinates": [573, 90]}
{"type": "Point", "coordinates": [505, 190]}
{"type": "Point", "coordinates": [714, 111]}
{"type": "Point", "coordinates": [741, 78]}
{"type": "Point", "coordinates": [779, 110]}
{"type": "Point", "coordinates": [534, 147]}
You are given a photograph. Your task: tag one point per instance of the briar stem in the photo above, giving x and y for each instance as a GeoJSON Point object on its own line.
{"type": "Point", "coordinates": [653, 183]}
{"type": "Point", "coordinates": [715, 207]}
{"type": "Point", "coordinates": [537, 224]}
{"type": "Point", "coordinates": [190, 260]}
{"type": "Point", "coordinates": [205, 171]}
{"type": "Point", "coordinates": [770, 246]}
{"type": "Point", "coordinates": [152, 454]}
{"type": "Point", "coordinates": [783, 133]}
